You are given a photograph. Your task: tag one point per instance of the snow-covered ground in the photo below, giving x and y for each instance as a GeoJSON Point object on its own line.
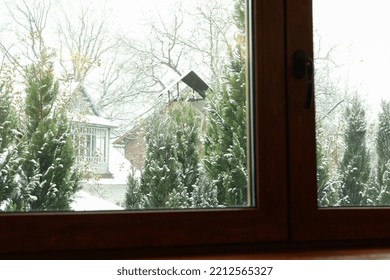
{"type": "Point", "coordinates": [84, 201]}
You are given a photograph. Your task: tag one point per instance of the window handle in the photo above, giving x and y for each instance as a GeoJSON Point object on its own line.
{"type": "Point", "coordinates": [303, 68]}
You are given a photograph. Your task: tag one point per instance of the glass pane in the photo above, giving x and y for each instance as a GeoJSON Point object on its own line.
{"type": "Point", "coordinates": [110, 105]}
{"type": "Point", "coordinates": [352, 102]}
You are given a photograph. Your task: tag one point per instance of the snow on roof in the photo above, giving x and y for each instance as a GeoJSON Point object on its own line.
{"type": "Point", "coordinates": [100, 121]}
{"type": "Point", "coordinates": [77, 86]}
{"type": "Point", "coordinates": [84, 201]}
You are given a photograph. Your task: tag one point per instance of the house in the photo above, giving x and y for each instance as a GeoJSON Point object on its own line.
{"type": "Point", "coordinates": [105, 170]}
{"type": "Point", "coordinates": [91, 133]}
{"type": "Point", "coordinates": [189, 87]}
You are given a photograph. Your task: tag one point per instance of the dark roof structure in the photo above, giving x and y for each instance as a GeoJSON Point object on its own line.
{"type": "Point", "coordinates": [192, 80]}
{"type": "Point", "coordinates": [196, 83]}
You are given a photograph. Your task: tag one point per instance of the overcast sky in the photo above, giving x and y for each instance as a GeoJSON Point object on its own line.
{"type": "Point", "coordinates": [359, 31]}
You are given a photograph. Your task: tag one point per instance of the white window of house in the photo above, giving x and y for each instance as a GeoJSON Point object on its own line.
{"type": "Point", "coordinates": [96, 144]}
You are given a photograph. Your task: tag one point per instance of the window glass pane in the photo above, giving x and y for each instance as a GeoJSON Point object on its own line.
{"type": "Point", "coordinates": [352, 102]}
{"type": "Point", "coordinates": [109, 105]}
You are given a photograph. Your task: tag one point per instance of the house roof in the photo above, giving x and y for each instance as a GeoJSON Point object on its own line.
{"type": "Point", "coordinates": [192, 80]}
{"type": "Point", "coordinates": [99, 121]}
{"type": "Point", "coordinates": [89, 101]}
{"type": "Point", "coordinates": [84, 101]}
{"type": "Point", "coordinates": [81, 97]}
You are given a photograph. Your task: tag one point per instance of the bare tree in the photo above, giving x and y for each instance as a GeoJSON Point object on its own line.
{"type": "Point", "coordinates": [126, 73]}
{"type": "Point", "coordinates": [212, 35]}
{"type": "Point", "coordinates": [195, 36]}
{"type": "Point", "coordinates": [159, 54]}
{"type": "Point", "coordinates": [85, 39]}
{"type": "Point", "coordinates": [24, 40]}
{"type": "Point", "coordinates": [31, 16]}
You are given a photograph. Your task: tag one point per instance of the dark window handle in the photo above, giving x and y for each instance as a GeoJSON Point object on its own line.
{"type": "Point", "coordinates": [303, 68]}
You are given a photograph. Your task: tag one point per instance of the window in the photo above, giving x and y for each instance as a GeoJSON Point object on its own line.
{"type": "Point", "coordinates": [265, 221]}
{"type": "Point", "coordinates": [177, 93]}
{"type": "Point", "coordinates": [285, 207]}
{"type": "Point", "coordinates": [351, 107]}
{"type": "Point", "coordinates": [93, 146]}
{"type": "Point", "coordinates": [312, 222]}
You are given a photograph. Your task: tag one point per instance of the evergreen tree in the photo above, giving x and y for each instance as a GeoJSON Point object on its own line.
{"type": "Point", "coordinates": [355, 164]}
{"type": "Point", "coordinates": [327, 191]}
{"type": "Point", "coordinates": [322, 175]}
{"type": "Point", "coordinates": [50, 161]}
{"type": "Point", "coordinates": [9, 152]}
{"type": "Point", "coordinates": [383, 152]}
{"type": "Point", "coordinates": [204, 193]}
{"type": "Point", "coordinates": [14, 190]}
{"type": "Point", "coordinates": [161, 171]}
{"type": "Point", "coordinates": [186, 125]}
{"type": "Point", "coordinates": [225, 146]}
{"type": "Point", "coordinates": [171, 136]}
{"type": "Point", "coordinates": [178, 198]}
{"type": "Point", "coordinates": [133, 198]}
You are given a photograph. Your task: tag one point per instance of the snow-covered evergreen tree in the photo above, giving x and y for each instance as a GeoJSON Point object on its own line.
{"type": "Point", "coordinates": [134, 199]}
{"type": "Point", "coordinates": [383, 152]}
{"type": "Point", "coordinates": [186, 123]}
{"type": "Point", "coordinates": [171, 168]}
{"type": "Point", "coordinates": [49, 160]}
{"type": "Point", "coordinates": [204, 193]}
{"type": "Point", "coordinates": [178, 198]}
{"type": "Point", "coordinates": [14, 189]}
{"type": "Point", "coordinates": [355, 164]}
{"type": "Point", "coordinates": [161, 171]}
{"type": "Point", "coordinates": [9, 148]}
{"type": "Point", "coordinates": [327, 186]}
{"type": "Point", "coordinates": [225, 146]}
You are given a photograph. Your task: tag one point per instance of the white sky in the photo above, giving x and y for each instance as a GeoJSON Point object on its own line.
{"type": "Point", "coordinates": [360, 32]}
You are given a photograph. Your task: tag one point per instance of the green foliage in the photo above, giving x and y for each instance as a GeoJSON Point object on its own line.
{"type": "Point", "coordinates": [49, 160]}
{"type": "Point", "coordinates": [42, 91]}
{"type": "Point", "coordinates": [355, 164]}
{"type": "Point", "coordinates": [225, 146]}
{"type": "Point", "coordinates": [171, 167]}
{"type": "Point", "coordinates": [178, 198]}
{"type": "Point", "coordinates": [383, 152]}
{"type": "Point", "coordinates": [134, 197]}
{"type": "Point", "coordinates": [327, 189]}
{"type": "Point", "coordinates": [160, 175]}
{"type": "Point", "coordinates": [186, 122]}
{"type": "Point", "coordinates": [204, 193]}
{"type": "Point", "coordinates": [9, 149]}
{"type": "Point", "coordinates": [239, 15]}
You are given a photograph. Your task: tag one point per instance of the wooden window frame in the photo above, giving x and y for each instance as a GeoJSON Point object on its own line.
{"type": "Point", "coordinates": [285, 210]}
{"type": "Point", "coordinates": [267, 221]}
{"type": "Point", "coordinates": [310, 222]}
